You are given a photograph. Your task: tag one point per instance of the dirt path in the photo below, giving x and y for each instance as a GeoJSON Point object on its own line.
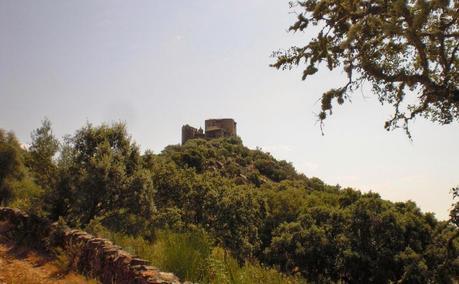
{"type": "Point", "coordinates": [20, 266]}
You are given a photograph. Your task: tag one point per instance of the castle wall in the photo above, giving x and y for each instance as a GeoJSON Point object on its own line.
{"type": "Point", "coordinates": [188, 133]}
{"type": "Point", "coordinates": [214, 128]}
{"type": "Point", "coordinates": [227, 124]}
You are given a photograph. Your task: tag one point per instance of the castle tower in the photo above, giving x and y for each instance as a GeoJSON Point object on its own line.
{"type": "Point", "coordinates": [214, 128]}
{"type": "Point", "coordinates": [188, 133]}
{"type": "Point", "coordinates": [225, 127]}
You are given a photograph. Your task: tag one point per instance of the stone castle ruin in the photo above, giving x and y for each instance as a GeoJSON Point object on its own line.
{"type": "Point", "coordinates": [214, 128]}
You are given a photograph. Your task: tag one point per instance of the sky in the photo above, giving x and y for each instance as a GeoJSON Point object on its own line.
{"type": "Point", "coordinates": [157, 65]}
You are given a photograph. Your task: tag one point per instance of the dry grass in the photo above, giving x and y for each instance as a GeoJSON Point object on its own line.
{"type": "Point", "coordinates": [22, 266]}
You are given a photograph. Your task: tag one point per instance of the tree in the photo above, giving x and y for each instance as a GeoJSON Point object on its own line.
{"type": "Point", "coordinates": [406, 49]}
{"type": "Point", "coordinates": [239, 216]}
{"type": "Point", "coordinates": [17, 188]}
{"type": "Point", "coordinates": [11, 166]}
{"type": "Point", "coordinates": [454, 220]}
{"type": "Point", "coordinates": [102, 174]}
{"type": "Point", "coordinates": [41, 154]}
{"type": "Point", "coordinates": [454, 213]}
{"type": "Point", "coordinates": [311, 244]}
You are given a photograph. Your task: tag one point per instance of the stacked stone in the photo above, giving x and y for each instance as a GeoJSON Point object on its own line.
{"type": "Point", "coordinates": [99, 258]}
{"type": "Point", "coordinates": [94, 257]}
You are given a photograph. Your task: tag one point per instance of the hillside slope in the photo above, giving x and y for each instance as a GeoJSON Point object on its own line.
{"type": "Point", "coordinates": [219, 196]}
{"type": "Point", "coordinates": [19, 265]}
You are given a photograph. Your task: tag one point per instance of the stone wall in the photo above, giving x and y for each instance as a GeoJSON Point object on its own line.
{"type": "Point", "coordinates": [94, 257]}
{"type": "Point", "coordinates": [189, 132]}
{"type": "Point", "coordinates": [214, 128]}
{"type": "Point", "coordinates": [228, 125]}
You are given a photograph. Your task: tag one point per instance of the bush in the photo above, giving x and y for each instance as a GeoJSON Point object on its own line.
{"type": "Point", "coordinates": [185, 254]}
{"type": "Point", "coordinates": [191, 257]}
{"type": "Point", "coordinates": [223, 268]}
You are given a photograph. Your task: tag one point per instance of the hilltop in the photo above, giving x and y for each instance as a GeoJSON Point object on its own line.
{"type": "Point", "coordinates": [215, 211]}
{"type": "Point", "coordinates": [231, 159]}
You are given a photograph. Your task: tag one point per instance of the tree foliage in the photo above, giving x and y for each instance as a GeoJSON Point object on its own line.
{"type": "Point", "coordinates": [102, 172]}
{"type": "Point", "coordinates": [11, 165]}
{"type": "Point", "coordinates": [41, 154]}
{"type": "Point", "coordinates": [253, 210]}
{"type": "Point", "coordinates": [17, 186]}
{"type": "Point", "coordinates": [406, 49]}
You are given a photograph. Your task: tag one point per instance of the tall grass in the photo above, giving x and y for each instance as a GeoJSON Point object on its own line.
{"type": "Point", "coordinates": [223, 268]}
{"type": "Point", "coordinates": [192, 257]}
{"type": "Point", "coordinates": [185, 254]}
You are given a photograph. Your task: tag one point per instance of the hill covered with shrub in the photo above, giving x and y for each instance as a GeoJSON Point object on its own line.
{"type": "Point", "coordinates": [218, 212]}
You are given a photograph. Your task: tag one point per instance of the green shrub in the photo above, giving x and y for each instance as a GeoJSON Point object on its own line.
{"type": "Point", "coordinates": [27, 196]}
{"type": "Point", "coordinates": [185, 254]}
{"type": "Point", "coordinates": [223, 268]}
{"type": "Point", "coordinates": [191, 257]}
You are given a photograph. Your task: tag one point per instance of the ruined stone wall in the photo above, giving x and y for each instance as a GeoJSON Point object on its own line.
{"type": "Point", "coordinates": [227, 124]}
{"type": "Point", "coordinates": [94, 257]}
{"type": "Point", "coordinates": [188, 133]}
{"type": "Point", "coordinates": [214, 128]}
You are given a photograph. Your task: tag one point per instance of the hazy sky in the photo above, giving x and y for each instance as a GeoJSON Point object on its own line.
{"type": "Point", "coordinates": [160, 64]}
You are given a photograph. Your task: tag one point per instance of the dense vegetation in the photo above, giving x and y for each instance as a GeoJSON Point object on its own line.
{"type": "Point", "coordinates": [218, 212]}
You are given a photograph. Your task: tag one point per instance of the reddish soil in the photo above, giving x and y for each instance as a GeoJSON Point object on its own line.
{"type": "Point", "coordinates": [23, 266]}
